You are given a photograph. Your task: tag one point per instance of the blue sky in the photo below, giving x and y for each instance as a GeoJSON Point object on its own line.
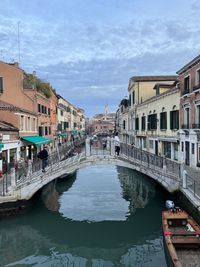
{"type": "Point", "coordinates": [88, 49]}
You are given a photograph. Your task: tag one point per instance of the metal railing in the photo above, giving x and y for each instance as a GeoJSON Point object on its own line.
{"type": "Point", "coordinates": [25, 172]}
{"type": "Point", "coordinates": [150, 160]}
{"type": "Point", "coordinates": [25, 169]}
{"type": "Point", "coordinates": [196, 126]}
{"type": "Point", "coordinates": [193, 186]}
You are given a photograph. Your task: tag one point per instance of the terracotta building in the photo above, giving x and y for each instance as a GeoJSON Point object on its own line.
{"type": "Point", "coordinates": [189, 82]}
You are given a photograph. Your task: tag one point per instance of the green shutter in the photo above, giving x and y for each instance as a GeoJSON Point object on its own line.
{"type": "Point", "coordinates": [171, 120]}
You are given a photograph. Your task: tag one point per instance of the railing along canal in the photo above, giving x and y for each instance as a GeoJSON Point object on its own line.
{"type": "Point", "coordinates": [25, 170]}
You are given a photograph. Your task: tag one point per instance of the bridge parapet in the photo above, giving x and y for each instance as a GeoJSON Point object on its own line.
{"type": "Point", "coordinates": [164, 171]}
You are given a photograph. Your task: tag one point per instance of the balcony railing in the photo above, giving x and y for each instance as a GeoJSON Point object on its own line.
{"type": "Point", "coordinates": [28, 84]}
{"type": "Point", "coordinates": [185, 126]}
{"type": "Point", "coordinates": [196, 126]}
{"type": "Point", "coordinates": [196, 87]}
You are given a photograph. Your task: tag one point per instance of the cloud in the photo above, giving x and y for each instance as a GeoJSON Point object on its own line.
{"type": "Point", "coordinates": [89, 57]}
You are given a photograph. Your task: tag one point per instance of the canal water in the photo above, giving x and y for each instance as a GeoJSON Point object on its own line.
{"type": "Point", "coordinates": [101, 216]}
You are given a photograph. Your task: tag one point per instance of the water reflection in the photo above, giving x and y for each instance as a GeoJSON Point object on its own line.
{"type": "Point", "coordinates": [46, 238]}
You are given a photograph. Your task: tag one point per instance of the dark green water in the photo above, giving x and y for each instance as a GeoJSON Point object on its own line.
{"type": "Point", "coordinates": [102, 216]}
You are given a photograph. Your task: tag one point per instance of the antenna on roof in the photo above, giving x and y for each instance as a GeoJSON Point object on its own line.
{"type": "Point", "coordinates": [18, 40]}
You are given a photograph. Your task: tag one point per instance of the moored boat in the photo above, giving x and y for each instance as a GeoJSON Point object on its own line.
{"type": "Point", "coordinates": [182, 237]}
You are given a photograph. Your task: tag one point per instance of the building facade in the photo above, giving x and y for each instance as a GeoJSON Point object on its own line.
{"type": "Point", "coordinates": [140, 89]}
{"type": "Point", "coordinates": [189, 80]}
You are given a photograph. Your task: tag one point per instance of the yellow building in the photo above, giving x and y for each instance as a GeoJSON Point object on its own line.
{"type": "Point", "coordinates": [157, 123]}
{"type": "Point", "coordinates": [140, 89]}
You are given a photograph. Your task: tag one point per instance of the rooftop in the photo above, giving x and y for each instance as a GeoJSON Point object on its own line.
{"type": "Point", "coordinates": [11, 107]}
{"type": "Point", "coordinates": [157, 78]}
{"type": "Point", "coordinates": [5, 126]}
{"type": "Point", "coordinates": [189, 65]}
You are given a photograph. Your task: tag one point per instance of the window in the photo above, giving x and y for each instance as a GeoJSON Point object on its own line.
{"type": "Point", "coordinates": [163, 120]}
{"type": "Point", "coordinates": [175, 151]}
{"type": "Point", "coordinates": [198, 116]}
{"type": "Point", "coordinates": [33, 124]}
{"type": "Point", "coordinates": [28, 123]}
{"type": "Point", "coordinates": [133, 97]}
{"type": "Point", "coordinates": [22, 123]}
{"type": "Point", "coordinates": [49, 111]}
{"type": "Point", "coordinates": [66, 125]}
{"type": "Point", "coordinates": [167, 149]}
{"type": "Point", "coordinates": [129, 100]}
{"type": "Point", "coordinates": [59, 127]}
{"type": "Point", "coordinates": [197, 78]}
{"type": "Point", "coordinates": [137, 124]}
{"type": "Point", "coordinates": [1, 85]}
{"type": "Point", "coordinates": [187, 85]}
{"type": "Point", "coordinates": [75, 124]}
{"type": "Point", "coordinates": [151, 144]}
{"type": "Point", "coordinates": [61, 113]}
{"type": "Point", "coordinates": [49, 129]}
{"type": "Point", "coordinates": [174, 120]}
{"type": "Point", "coordinates": [193, 148]}
{"type": "Point", "coordinates": [143, 123]}
{"type": "Point", "coordinates": [182, 146]}
{"type": "Point", "coordinates": [186, 117]}
{"type": "Point", "coordinates": [46, 130]}
{"type": "Point", "coordinates": [124, 124]}
{"type": "Point", "coordinates": [152, 122]}
{"type": "Point", "coordinates": [40, 130]}
{"type": "Point", "coordinates": [144, 143]}
{"type": "Point", "coordinates": [39, 108]}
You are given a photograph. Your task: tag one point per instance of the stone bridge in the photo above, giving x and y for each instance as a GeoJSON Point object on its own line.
{"type": "Point", "coordinates": [22, 187]}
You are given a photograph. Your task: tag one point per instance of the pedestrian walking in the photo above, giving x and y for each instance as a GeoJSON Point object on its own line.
{"type": "Point", "coordinates": [117, 144]}
{"type": "Point", "coordinates": [43, 155]}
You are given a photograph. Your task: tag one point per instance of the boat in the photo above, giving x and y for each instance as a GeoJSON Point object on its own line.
{"type": "Point", "coordinates": [181, 236]}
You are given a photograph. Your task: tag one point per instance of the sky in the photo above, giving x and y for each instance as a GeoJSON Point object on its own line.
{"type": "Point", "coordinates": [89, 49]}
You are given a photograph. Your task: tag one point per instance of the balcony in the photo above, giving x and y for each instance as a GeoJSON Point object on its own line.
{"type": "Point", "coordinates": [185, 126]}
{"type": "Point", "coordinates": [196, 87]}
{"type": "Point", "coordinates": [196, 126]}
{"type": "Point", "coordinates": [185, 91]}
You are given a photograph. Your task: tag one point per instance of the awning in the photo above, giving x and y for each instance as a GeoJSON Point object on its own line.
{"type": "Point", "coordinates": [1, 146]}
{"type": "Point", "coordinates": [37, 140]}
{"type": "Point", "coordinates": [74, 132]}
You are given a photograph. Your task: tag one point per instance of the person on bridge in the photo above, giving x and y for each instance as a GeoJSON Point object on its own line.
{"type": "Point", "coordinates": [43, 155]}
{"type": "Point", "coordinates": [117, 144]}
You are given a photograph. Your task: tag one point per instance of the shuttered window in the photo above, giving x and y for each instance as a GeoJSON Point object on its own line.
{"type": "Point", "coordinates": [1, 85]}
{"type": "Point", "coordinates": [143, 123]}
{"type": "Point", "coordinates": [174, 120]}
{"type": "Point", "coordinates": [137, 124]}
{"type": "Point", "coordinates": [163, 120]}
{"type": "Point", "coordinates": [152, 122]}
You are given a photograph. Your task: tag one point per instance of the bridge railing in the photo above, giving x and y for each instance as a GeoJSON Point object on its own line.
{"type": "Point", "coordinates": [193, 186]}
{"type": "Point", "coordinates": [150, 160]}
{"type": "Point", "coordinates": [100, 146]}
{"type": "Point", "coordinates": [24, 170]}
